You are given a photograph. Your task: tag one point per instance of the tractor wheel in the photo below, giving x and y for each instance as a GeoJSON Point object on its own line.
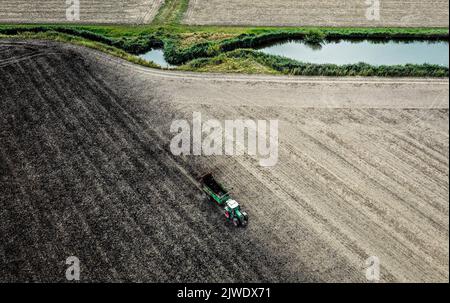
{"type": "Point", "coordinates": [244, 223]}
{"type": "Point", "coordinates": [245, 215]}
{"type": "Point", "coordinates": [235, 221]}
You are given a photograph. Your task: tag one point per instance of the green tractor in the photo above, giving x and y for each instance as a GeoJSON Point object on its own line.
{"type": "Point", "coordinates": [217, 193]}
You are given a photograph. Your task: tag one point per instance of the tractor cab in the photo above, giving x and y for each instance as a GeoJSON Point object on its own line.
{"type": "Point", "coordinates": [233, 205]}
{"type": "Point", "coordinates": [234, 214]}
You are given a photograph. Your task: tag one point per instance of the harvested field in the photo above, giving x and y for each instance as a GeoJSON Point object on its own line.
{"type": "Point", "coordinates": [91, 11]}
{"type": "Point", "coordinates": [393, 13]}
{"type": "Point", "coordinates": [85, 171]}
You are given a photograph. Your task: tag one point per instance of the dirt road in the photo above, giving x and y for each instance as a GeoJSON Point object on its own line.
{"type": "Point", "coordinates": [397, 13]}
{"type": "Point", "coordinates": [86, 171]}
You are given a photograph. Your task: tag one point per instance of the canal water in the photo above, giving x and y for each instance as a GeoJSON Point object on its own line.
{"type": "Point", "coordinates": [157, 56]}
{"type": "Point", "coordinates": [347, 52]}
{"type": "Point", "coordinates": [374, 53]}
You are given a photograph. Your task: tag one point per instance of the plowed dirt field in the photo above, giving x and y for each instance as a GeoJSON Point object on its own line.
{"type": "Point", "coordinates": [85, 170]}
